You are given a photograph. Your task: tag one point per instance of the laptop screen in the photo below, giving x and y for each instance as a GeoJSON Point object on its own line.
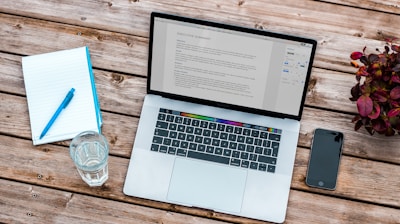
{"type": "Point", "coordinates": [237, 67]}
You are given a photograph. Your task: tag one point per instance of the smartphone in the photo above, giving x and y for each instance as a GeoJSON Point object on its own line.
{"type": "Point", "coordinates": [323, 166]}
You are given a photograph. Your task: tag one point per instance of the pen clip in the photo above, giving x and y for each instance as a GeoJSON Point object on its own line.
{"type": "Point", "coordinates": [68, 98]}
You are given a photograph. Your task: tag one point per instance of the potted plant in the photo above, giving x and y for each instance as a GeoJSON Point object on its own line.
{"type": "Point", "coordinates": [377, 91]}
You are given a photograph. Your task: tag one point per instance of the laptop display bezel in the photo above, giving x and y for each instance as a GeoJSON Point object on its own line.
{"type": "Point", "coordinates": [234, 28]}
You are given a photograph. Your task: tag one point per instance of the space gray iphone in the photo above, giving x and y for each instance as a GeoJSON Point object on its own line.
{"type": "Point", "coordinates": [323, 167]}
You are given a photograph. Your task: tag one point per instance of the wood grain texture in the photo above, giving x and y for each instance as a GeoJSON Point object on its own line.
{"type": "Point", "coordinates": [327, 89]}
{"type": "Point", "coordinates": [357, 143]}
{"type": "Point", "coordinates": [39, 184]}
{"type": "Point", "coordinates": [120, 130]}
{"type": "Point", "coordinates": [355, 174]}
{"type": "Point", "coordinates": [335, 210]}
{"type": "Point", "coordinates": [29, 203]}
{"type": "Point", "coordinates": [307, 18]}
{"type": "Point", "coordinates": [391, 6]}
{"type": "Point", "coordinates": [117, 92]}
{"type": "Point", "coordinates": [108, 50]}
{"type": "Point", "coordinates": [331, 90]}
{"type": "Point", "coordinates": [40, 165]}
{"type": "Point", "coordinates": [34, 204]}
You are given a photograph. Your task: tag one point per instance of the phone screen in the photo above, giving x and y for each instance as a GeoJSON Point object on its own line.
{"type": "Point", "coordinates": [323, 167]}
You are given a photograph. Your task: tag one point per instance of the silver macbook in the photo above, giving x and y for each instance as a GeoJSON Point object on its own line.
{"type": "Point", "coordinates": [220, 123]}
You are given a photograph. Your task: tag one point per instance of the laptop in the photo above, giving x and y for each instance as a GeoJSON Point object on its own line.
{"type": "Point", "coordinates": [221, 119]}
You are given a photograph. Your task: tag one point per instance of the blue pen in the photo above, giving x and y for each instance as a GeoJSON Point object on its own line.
{"type": "Point", "coordinates": [63, 105]}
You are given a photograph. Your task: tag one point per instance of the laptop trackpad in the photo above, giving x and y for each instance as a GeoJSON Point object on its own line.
{"type": "Point", "coordinates": [207, 185]}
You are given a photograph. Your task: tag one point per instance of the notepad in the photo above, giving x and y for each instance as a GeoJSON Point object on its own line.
{"type": "Point", "coordinates": [48, 78]}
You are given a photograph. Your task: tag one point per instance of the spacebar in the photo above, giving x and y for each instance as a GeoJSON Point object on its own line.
{"type": "Point", "coordinates": [208, 157]}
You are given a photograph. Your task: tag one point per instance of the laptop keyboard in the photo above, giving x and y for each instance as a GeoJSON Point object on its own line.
{"type": "Point", "coordinates": [216, 140]}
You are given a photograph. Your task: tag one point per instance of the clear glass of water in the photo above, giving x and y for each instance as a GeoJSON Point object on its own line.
{"type": "Point", "coordinates": [89, 151]}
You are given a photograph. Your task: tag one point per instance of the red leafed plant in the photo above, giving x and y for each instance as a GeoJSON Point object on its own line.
{"type": "Point", "coordinates": [377, 91]}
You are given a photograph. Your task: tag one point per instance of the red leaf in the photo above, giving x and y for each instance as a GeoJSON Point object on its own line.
{"type": "Point", "coordinates": [370, 130]}
{"type": "Point", "coordinates": [362, 71]}
{"type": "Point", "coordinates": [379, 125]}
{"type": "Point", "coordinates": [356, 55]}
{"type": "Point", "coordinates": [373, 58]}
{"type": "Point", "coordinates": [358, 125]}
{"type": "Point", "coordinates": [393, 112]}
{"type": "Point", "coordinates": [387, 49]}
{"type": "Point", "coordinates": [395, 48]}
{"type": "Point", "coordinates": [396, 68]}
{"type": "Point", "coordinates": [364, 105]}
{"type": "Point", "coordinates": [364, 60]}
{"type": "Point", "coordinates": [395, 93]}
{"type": "Point", "coordinates": [395, 78]}
{"type": "Point", "coordinates": [380, 96]}
{"type": "Point", "coordinates": [356, 118]}
{"type": "Point", "coordinates": [355, 92]}
{"type": "Point", "coordinates": [394, 103]}
{"type": "Point", "coordinates": [375, 113]}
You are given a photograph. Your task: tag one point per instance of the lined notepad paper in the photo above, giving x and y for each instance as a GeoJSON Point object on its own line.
{"type": "Point", "coordinates": [48, 78]}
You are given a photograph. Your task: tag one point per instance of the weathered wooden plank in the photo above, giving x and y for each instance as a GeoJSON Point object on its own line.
{"type": "Point", "coordinates": [26, 203]}
{"type": "Point", "coordinates": [328, 23]}
{"type": "Point", "coordinates": [339, 30]}
{"type": "Point", "coordinates": [357, 179]}
{"type": "Point", "coordinates": [120, 130]}
{"type": "Point", "coordinates": [391, 6]}
{"type": "Point", "coordinates": [355, 174]}
{"type": "Point", "coordinates": [124, 94]}
{"type": "Point", "coordinates": [14, 120]}
{"type": "Point", "coordinates": [117, 92]}
{"type": "Point", "coordinates": [357, 143]}
{"type": "Point", "coordinates": [331, 90]}
{"type": "Point", "coordinates": [132, 16]}
{"type": "Point", "coordinates": [108, 50]}
{"type": "Point", "coordinates": [33, 204]}
{"type": "Point", "coordinates": [120, 93]}
{"type": "Point", "coordinates": [304, 16]}
{"type": "Point", "coordinates": [11, 80]}
{"type": "Point", "coordinates": [41, 165]}
{"type": "Point", "coordinates": [334, 210]}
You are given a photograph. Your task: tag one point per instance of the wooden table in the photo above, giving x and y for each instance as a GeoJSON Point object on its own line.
{"type": "Point", "coordinates": [39, 184]}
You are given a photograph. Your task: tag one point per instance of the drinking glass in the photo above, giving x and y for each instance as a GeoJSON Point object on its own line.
{"type": "Point", "coordinates": [89, 151]}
